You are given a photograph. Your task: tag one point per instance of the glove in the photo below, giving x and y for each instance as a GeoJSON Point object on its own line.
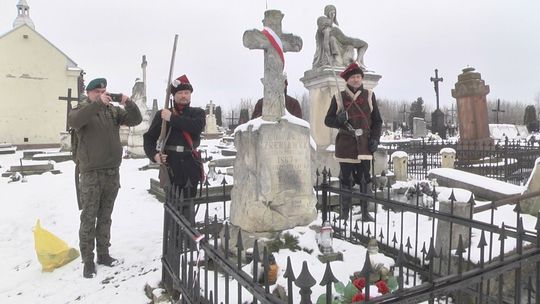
{"type": "Point", "coordinates": [372, 145]}
{"type": "Point", "coordinates": [342, 118]}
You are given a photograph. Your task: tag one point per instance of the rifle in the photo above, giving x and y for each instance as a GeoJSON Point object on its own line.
{"type": "Point", "coordinates": [164, 173]}
{"type": "Point", "coordinates": [339, 99]}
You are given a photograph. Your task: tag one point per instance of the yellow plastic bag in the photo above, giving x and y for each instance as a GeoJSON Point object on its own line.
{"type": "Point", "coordinates": [51, 251]}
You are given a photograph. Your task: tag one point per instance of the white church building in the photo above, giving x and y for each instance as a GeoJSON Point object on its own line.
{"type": "Point", "coordinates": [33, 75]}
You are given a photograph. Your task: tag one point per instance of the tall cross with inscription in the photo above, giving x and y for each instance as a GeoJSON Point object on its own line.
{"type": "Point", "coordinates": [498, 110]}
{"type": "Point", "coordinates": [69, 99]}
{"type": "Point", "coordinates": [436, 81]}
{"type": "Point", "coordinates": [274, 43]}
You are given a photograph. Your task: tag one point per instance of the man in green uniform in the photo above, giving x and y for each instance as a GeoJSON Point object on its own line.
{"type": "Point", "coordinates": [99, 154]}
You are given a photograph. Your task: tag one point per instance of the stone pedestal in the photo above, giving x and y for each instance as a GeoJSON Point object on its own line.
{"type": "Point", "coordinates": [437, 123]}
{"type": "Point", "coordinates": [400, 161]}
{"type": "Point", "coordinates": [272, 177]}
{"type": "Point", "coordinates": [448, 158]}
{"type": "Point", "coordinates": [65, 141]}
{"type": "Point", "coordinates": [322, 86]}
{"type": "Point", "coordinates": [380, 162]}
{"type": "Point", "coordinates": [211, 130]}
{"type": "Point", "coordinates": [470, 92]}
{"type": "Point", "coordinates": [443, 239]}
{"type": "Point", "coordinates": [419, 127]}
{"type": "Point", "coordinates": [532, 205]}
{"type": "Point", "coordinates": [124, 134]}
{"type": "Point", "coordinates": [135, 142]}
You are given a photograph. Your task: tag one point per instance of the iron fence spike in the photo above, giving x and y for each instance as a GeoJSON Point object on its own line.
{"type": "Point", "coordinates": [502, 235]}
{"type": "Point", "coordinates": [328, 276]}
{"type": "Point", "coordinates": [239, 241]}
{"type": "Point", "coordinates": [305, 279]}
{"type": "Point", "coordinates": [482, 242]}
{"type": "Point", "coordinates": [517, 208]}
{"type": "Point", "coordinates": [367, 269]}
{"type": "Point", "coordinates": [452, 197]}
{"type": "Point", "coordinates": [471, 201]}
{"type": "Point", "coordinates": [289, 272]}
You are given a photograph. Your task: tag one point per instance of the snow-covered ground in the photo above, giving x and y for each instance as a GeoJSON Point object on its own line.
{"type": "Point", "coordinates": [136, 238]}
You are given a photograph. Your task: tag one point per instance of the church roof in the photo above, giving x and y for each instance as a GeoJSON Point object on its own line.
{"type": "Point", "coordinates": [70, 63]}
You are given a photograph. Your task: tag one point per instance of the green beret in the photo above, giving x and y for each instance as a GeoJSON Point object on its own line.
{"type": "Point", "coordinates": [98, 83]}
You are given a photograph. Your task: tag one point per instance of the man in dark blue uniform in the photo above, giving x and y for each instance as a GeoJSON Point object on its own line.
{"type": "Point", "coordinates": [184, 127]}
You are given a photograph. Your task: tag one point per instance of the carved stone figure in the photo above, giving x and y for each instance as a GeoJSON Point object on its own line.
{"type": "Point", "coordinates": [333, 48]}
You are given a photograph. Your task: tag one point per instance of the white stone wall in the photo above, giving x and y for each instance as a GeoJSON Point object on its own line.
{"type": "Point", "coordinates": [29, 105]}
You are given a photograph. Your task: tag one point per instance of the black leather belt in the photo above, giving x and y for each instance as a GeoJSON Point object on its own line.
{"type": "Point", "coordinates": [177, 149]}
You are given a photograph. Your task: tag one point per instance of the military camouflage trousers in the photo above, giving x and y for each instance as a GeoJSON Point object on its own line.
{"type": "Point", "coordinates": [98, 190]}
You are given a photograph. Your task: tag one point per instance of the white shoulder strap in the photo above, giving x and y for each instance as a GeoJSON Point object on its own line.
{"type": "Point", "coordinates": [370, 102]}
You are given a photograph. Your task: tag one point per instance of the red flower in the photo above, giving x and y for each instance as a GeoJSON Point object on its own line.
{"type": "Point", "coordinates": [382, 287]}
{"type": "Point", "coordinates": [359, 283]}
{"type": "Point", "coordinates": [358, 297]}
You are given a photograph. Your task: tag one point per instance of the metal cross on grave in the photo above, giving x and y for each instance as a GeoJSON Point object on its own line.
{"type": "Point", "coordinates": [231, 120]}
{"type": "Point", "coordinates": [404, 112]}
{"type": "Point", "coordinates": [69, 99]}
{"type": "Point", "coordinates": [436, 81]}
{"type": "Point", "coordinates": [498, 110]}
{"type": "Point", "coordinates": [274, 43]}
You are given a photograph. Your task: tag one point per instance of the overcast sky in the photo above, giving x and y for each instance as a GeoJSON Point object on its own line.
{"type": "Point", "coordinates": [407, 39]}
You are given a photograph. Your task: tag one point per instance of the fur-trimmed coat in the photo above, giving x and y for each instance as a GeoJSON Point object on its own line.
{"type": "Point", "coordinates": [363, 113]}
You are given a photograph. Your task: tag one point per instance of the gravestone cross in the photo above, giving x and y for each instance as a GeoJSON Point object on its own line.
{"type": "Point", "coordinates": [274, 43]}
{"type": "Point", "coordinates": [436, 81]}
{"type": "Point", "coordinates": [69, 99]}
{"type": "Point", "coordinates": [231, 118]}
{"type": "Point", "coordinates": [404, 113]}
{"type": "Point", "coordinates": [498, 110]}
{"type": "Point", "coordinates": [453, 113]}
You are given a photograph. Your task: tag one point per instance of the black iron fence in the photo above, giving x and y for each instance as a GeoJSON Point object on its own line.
{"type": "Point", "coordinates": [440, 255]}
{"type": "Point", "coordinates": [507, 160]}
{"type": "Point", "coordinates": [480, 261]}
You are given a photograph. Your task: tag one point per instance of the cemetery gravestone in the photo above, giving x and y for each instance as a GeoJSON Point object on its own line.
{"type": "Point", "coordinates": [272, 171]}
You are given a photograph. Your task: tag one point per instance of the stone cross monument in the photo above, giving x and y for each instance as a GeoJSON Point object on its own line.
{"type": "Point", "coordinates": [210, 130]}
{"type": "Point", "coordinates": [274, 43]}
{"type": "Point", "coordinates": [272, 189]}
{"type": "Point", "coordinates": [135, 142]}
{"type": "Point", "coordinates": [437, 117]}
{"type": "Point", "coordinates": [497, 111]}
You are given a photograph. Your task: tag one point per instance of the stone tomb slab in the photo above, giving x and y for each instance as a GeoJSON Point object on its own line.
{"type": "Point", "coordinates": [29, 154]}
{"type": "Point", "coordinates": [8, 150]}
{"type": "Point", "coordinates": [57, 156]}
{"type": "Point", "coordinates": [31, 169]}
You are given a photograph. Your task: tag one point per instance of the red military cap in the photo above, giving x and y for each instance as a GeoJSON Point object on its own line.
{"type": "Point", "coordinates": [181, 83]}
{"type": "Point", "coordinates": [352, 69]}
